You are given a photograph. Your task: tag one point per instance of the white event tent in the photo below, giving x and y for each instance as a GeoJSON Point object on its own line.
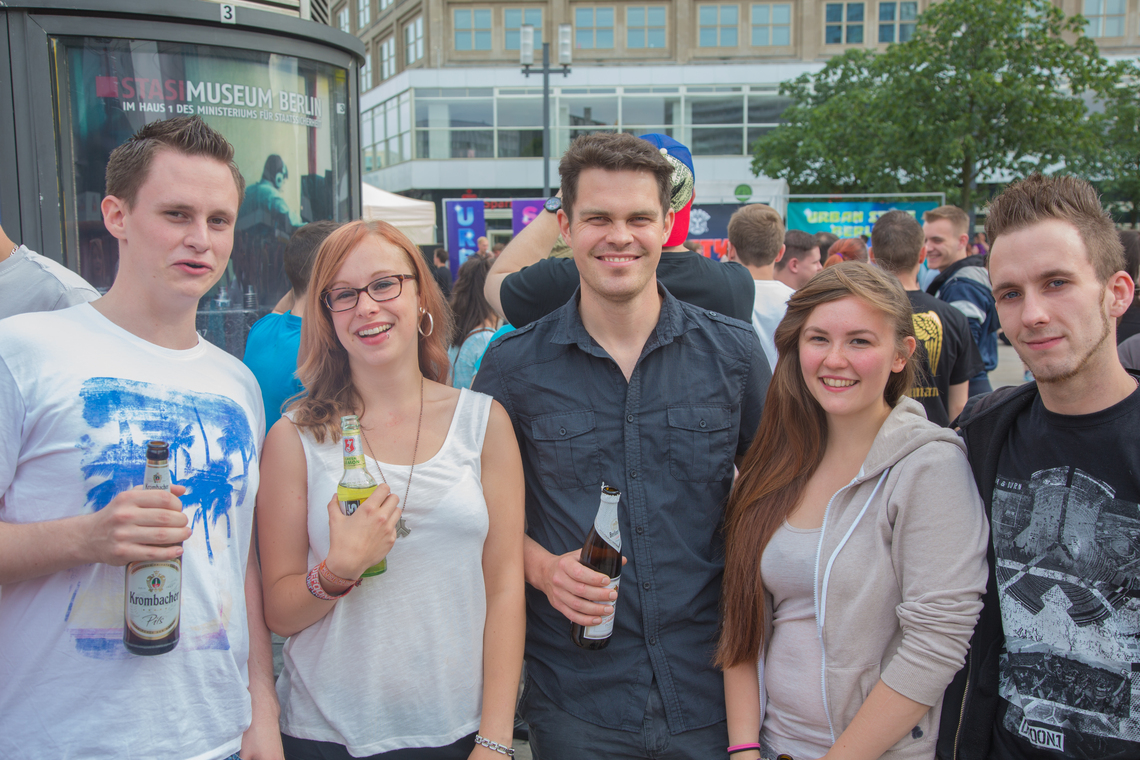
{"type": "Point", "coordinates": [416, 219]}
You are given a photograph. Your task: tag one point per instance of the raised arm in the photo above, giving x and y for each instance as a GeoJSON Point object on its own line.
{"type": "Point", "coordinates": [531, 245]}
{"type": "Point", "coordinates": [505, 629]}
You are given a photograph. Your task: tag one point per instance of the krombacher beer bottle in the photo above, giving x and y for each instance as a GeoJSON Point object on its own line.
{"type": "Point", "coordinates": [602, 552]}
{"type": "Point", "coordinates": [154, 589]}
{"type": "Point", "coordinates": [356, 484]}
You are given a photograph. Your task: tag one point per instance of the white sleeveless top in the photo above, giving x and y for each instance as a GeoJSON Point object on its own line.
{"type": "Point", "coordinates": [399, 662]}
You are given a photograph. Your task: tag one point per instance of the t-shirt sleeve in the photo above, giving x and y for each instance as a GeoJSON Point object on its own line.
{"type": "Point", "coordinates": [755, 391]}
{"type": "Point", "coordinates": [966, 362]}
{"type": "Point", "coordinates": [11, 428]}
{"type": "Point", "coordinates": [72, 296]}
{"type": "Point", "coordinates": [535, 291]}
{"type": "Point", "coordinates": [741, 290]}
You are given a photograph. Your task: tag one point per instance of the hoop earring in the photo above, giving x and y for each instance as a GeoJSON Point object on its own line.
{"type": "Point", "coordinates": [431, 323]}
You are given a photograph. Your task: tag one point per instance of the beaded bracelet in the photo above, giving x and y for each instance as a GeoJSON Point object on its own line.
{"type": "Point", "coordinates": [502, 749]}
{"type": "Point", "coordinates": [333, 578]}
{"type": "Point", "coordinates": [313, 582]}
{"type": "Point", "coordinates": [743, 748]}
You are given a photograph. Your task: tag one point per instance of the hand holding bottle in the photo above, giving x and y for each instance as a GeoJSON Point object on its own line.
{"type": "Point", "coordinates": [138, 524]}
{"type": "Point", "coordinates": [581, 594]}
{"type": "Point", "coordinates": [362, 539]}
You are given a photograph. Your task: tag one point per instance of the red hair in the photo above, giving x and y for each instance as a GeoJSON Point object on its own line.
{"type": "Point", "coordinates": [322, 362]}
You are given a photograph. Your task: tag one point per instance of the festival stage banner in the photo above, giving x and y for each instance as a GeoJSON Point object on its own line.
{"type": "Point", "coordinates": [847, 219]}
{"type": "Point", "coordinates": [465, 224]}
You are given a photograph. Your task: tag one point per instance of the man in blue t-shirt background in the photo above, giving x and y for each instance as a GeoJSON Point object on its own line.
{"type": "Point", "coordinates": [271, 348]}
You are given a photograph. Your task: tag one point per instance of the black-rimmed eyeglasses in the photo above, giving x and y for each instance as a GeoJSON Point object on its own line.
{"type": "Point", "coordinates": [379, 290]}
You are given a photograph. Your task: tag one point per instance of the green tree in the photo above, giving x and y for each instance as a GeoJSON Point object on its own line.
{"type": "Point", "coordinates": [984, 88]}
{"type": "Point", "coordinates": [1113, 161]}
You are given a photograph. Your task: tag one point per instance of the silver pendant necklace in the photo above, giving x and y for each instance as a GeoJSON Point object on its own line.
{"type": "Point", "coordinates": [402, 528]}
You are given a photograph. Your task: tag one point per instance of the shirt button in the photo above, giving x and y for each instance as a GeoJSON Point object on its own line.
{"type": "Point", "coordinates": [652, 641]}
{"type": "Point", "coordinates": [640, 530]}
{"type": "Point", "coordinates": [562, 431]}
{"type": "Point", "coordinates": [645, 585]}
{"type": "Point", "coordinates": [702, 423]}
{"type": "Point", "coordinates": [629, 418]}
{"type": "Point", "coordinates": [633, 473]}
{"type": "Point", "coordinates": [711, 313]}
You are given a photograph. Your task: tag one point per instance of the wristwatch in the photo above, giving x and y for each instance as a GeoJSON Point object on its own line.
{"type": "Point", "coordinates": [553, 204]}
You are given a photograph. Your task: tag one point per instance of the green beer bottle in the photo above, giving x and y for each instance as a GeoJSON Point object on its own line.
{"type": "Point", "coordinates": [356, 484]}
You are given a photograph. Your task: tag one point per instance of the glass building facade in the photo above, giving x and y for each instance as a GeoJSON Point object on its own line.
{"type": "Point", "coordinates": [506, 122]}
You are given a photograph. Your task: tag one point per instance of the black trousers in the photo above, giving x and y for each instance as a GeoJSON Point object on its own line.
{"type": "Point", "coordinates": [307, 749]}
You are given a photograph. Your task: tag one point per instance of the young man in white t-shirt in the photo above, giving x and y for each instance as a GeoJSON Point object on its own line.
{"type": "Point", "coordinates": [756, 240]}
{"type": "Point", "coordinates": [81, 392]}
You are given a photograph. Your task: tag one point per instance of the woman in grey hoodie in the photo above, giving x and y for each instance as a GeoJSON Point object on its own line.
{"type": "Point", "coordinates": [855, 541]}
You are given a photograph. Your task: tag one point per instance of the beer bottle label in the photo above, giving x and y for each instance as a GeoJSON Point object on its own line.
{"type": "Point", "coordinates": [606, 521]}
{"type": "Point", "coordinates": [606, 627]}
{"type": "Point", "coordinates": [154, 590]}
{"type": "Point", "coordinates": [353, 454]}
{"type": "Point", "coordinates": [348, 507]}
{"type": "Point", "coordinates": [157, 477]}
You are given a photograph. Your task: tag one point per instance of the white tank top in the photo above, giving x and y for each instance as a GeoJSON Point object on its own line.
{"type": "Point", "coordinates": [399, 662]}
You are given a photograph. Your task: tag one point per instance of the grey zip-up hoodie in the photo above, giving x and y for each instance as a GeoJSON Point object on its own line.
{"type": "Point", "coordinates": [899, 574]}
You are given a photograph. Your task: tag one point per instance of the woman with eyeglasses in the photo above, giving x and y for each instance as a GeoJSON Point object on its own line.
{"type": "Point", "coordinates": [855, 541]}
{"type": "Point", "coordinates": [423, 660]}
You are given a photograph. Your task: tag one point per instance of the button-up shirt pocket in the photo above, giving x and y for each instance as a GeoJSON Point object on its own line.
{"type": "Point", "coordinates": [566, 449]}
{"type": "Point", "coordinates": [700, 441]}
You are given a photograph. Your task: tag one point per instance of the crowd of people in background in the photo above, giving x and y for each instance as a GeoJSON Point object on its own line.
{"type": "Point", "coordinates": [839, 542]}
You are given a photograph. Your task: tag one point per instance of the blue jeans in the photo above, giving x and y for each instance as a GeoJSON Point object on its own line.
{"type": "Point", "coordinates": [557, 735]}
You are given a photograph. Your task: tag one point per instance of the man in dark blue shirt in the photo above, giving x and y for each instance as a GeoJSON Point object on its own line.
{"type": "Point", "coordinates": [627, 385]}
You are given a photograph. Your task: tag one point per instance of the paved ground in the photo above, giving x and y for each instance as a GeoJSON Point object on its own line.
{"type": "Point", "coordinates": [1009, 370]}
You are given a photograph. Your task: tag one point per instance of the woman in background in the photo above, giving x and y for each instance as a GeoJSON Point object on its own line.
{"type": "Point", "coordinates": [475, 320]}
{"type": "Point", "coordinates": [855, 540]}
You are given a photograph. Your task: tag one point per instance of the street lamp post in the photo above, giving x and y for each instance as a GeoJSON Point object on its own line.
{"type": "Point", "coordinates": [526, 58]}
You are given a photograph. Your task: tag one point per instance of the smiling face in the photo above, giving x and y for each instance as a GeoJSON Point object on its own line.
{"type": "Point", "coordinates": [847, 351]}
{"type": "Point", "coordinates": [944, 245]}
{"type": "Point", "coordinates": [175, 241]}
{"type": "Point", "coordinates": [1056, 313]}
{"type": "Point", "coordinates": [374, 333]}
{"type": "Point", "coordinates": [616, 233]}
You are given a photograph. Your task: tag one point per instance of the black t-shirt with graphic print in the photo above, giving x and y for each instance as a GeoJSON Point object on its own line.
{"type": "Point", "coordinates": [947, 354]}
{"type": "Point", "coordinates": [1066, 531]}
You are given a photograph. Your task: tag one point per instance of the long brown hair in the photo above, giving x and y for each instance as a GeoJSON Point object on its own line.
{"type": "Point", "coordinates": [322, 362]}
{"type": "Point", "coordinates": [789, 446]}
{"type": "Point", "coordinates": [469, 306]}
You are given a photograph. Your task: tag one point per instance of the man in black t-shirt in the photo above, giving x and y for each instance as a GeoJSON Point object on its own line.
{"type": "Point", "coordinates": [524, 285]}
{"type": "Point", "coordinates": [1054, 664]}
{"type": "Point", "coordinates": [947, 353]}
{"type": "Point", "coordinates": [441, 272]}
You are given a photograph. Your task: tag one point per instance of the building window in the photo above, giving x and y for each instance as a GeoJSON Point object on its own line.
{"type": "Point", "coordinates": [1104, 18]}
{"type": "Point", "coordinates": [645, 26]}
{"type": "Point", "coordinates": [386, 4]}
{"type": "Point", "coordinates": [388, 58]}
{"type": "Point", "coordinates": [363, 13]}
{"type": "Point", "coordinates": [513, 18]}
{"type": "Point", "coordinates": [594, 28]}
{"type": "Point", "coordinates": [473, 29]}
{"type": "Point", "coordinates": [366, 73]}
{"type": "Point", "coordinates": [414, 40]}
{"type": "Point", "coordinates": [342, 20]}
{"type": "Point", "coordinates": [843, 24]}
{"type": "Point", "coordinates": [718, 25]}
{"type": "Point", "coordinates": [772, 24]}
{"type": "Point", "coordinates": [897, 21]}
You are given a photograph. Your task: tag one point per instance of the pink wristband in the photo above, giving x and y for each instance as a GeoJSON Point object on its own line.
{"type": "Point", "coordinates": [313, 583]}
{"type": "Point", "coordinates": [743, 748]}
